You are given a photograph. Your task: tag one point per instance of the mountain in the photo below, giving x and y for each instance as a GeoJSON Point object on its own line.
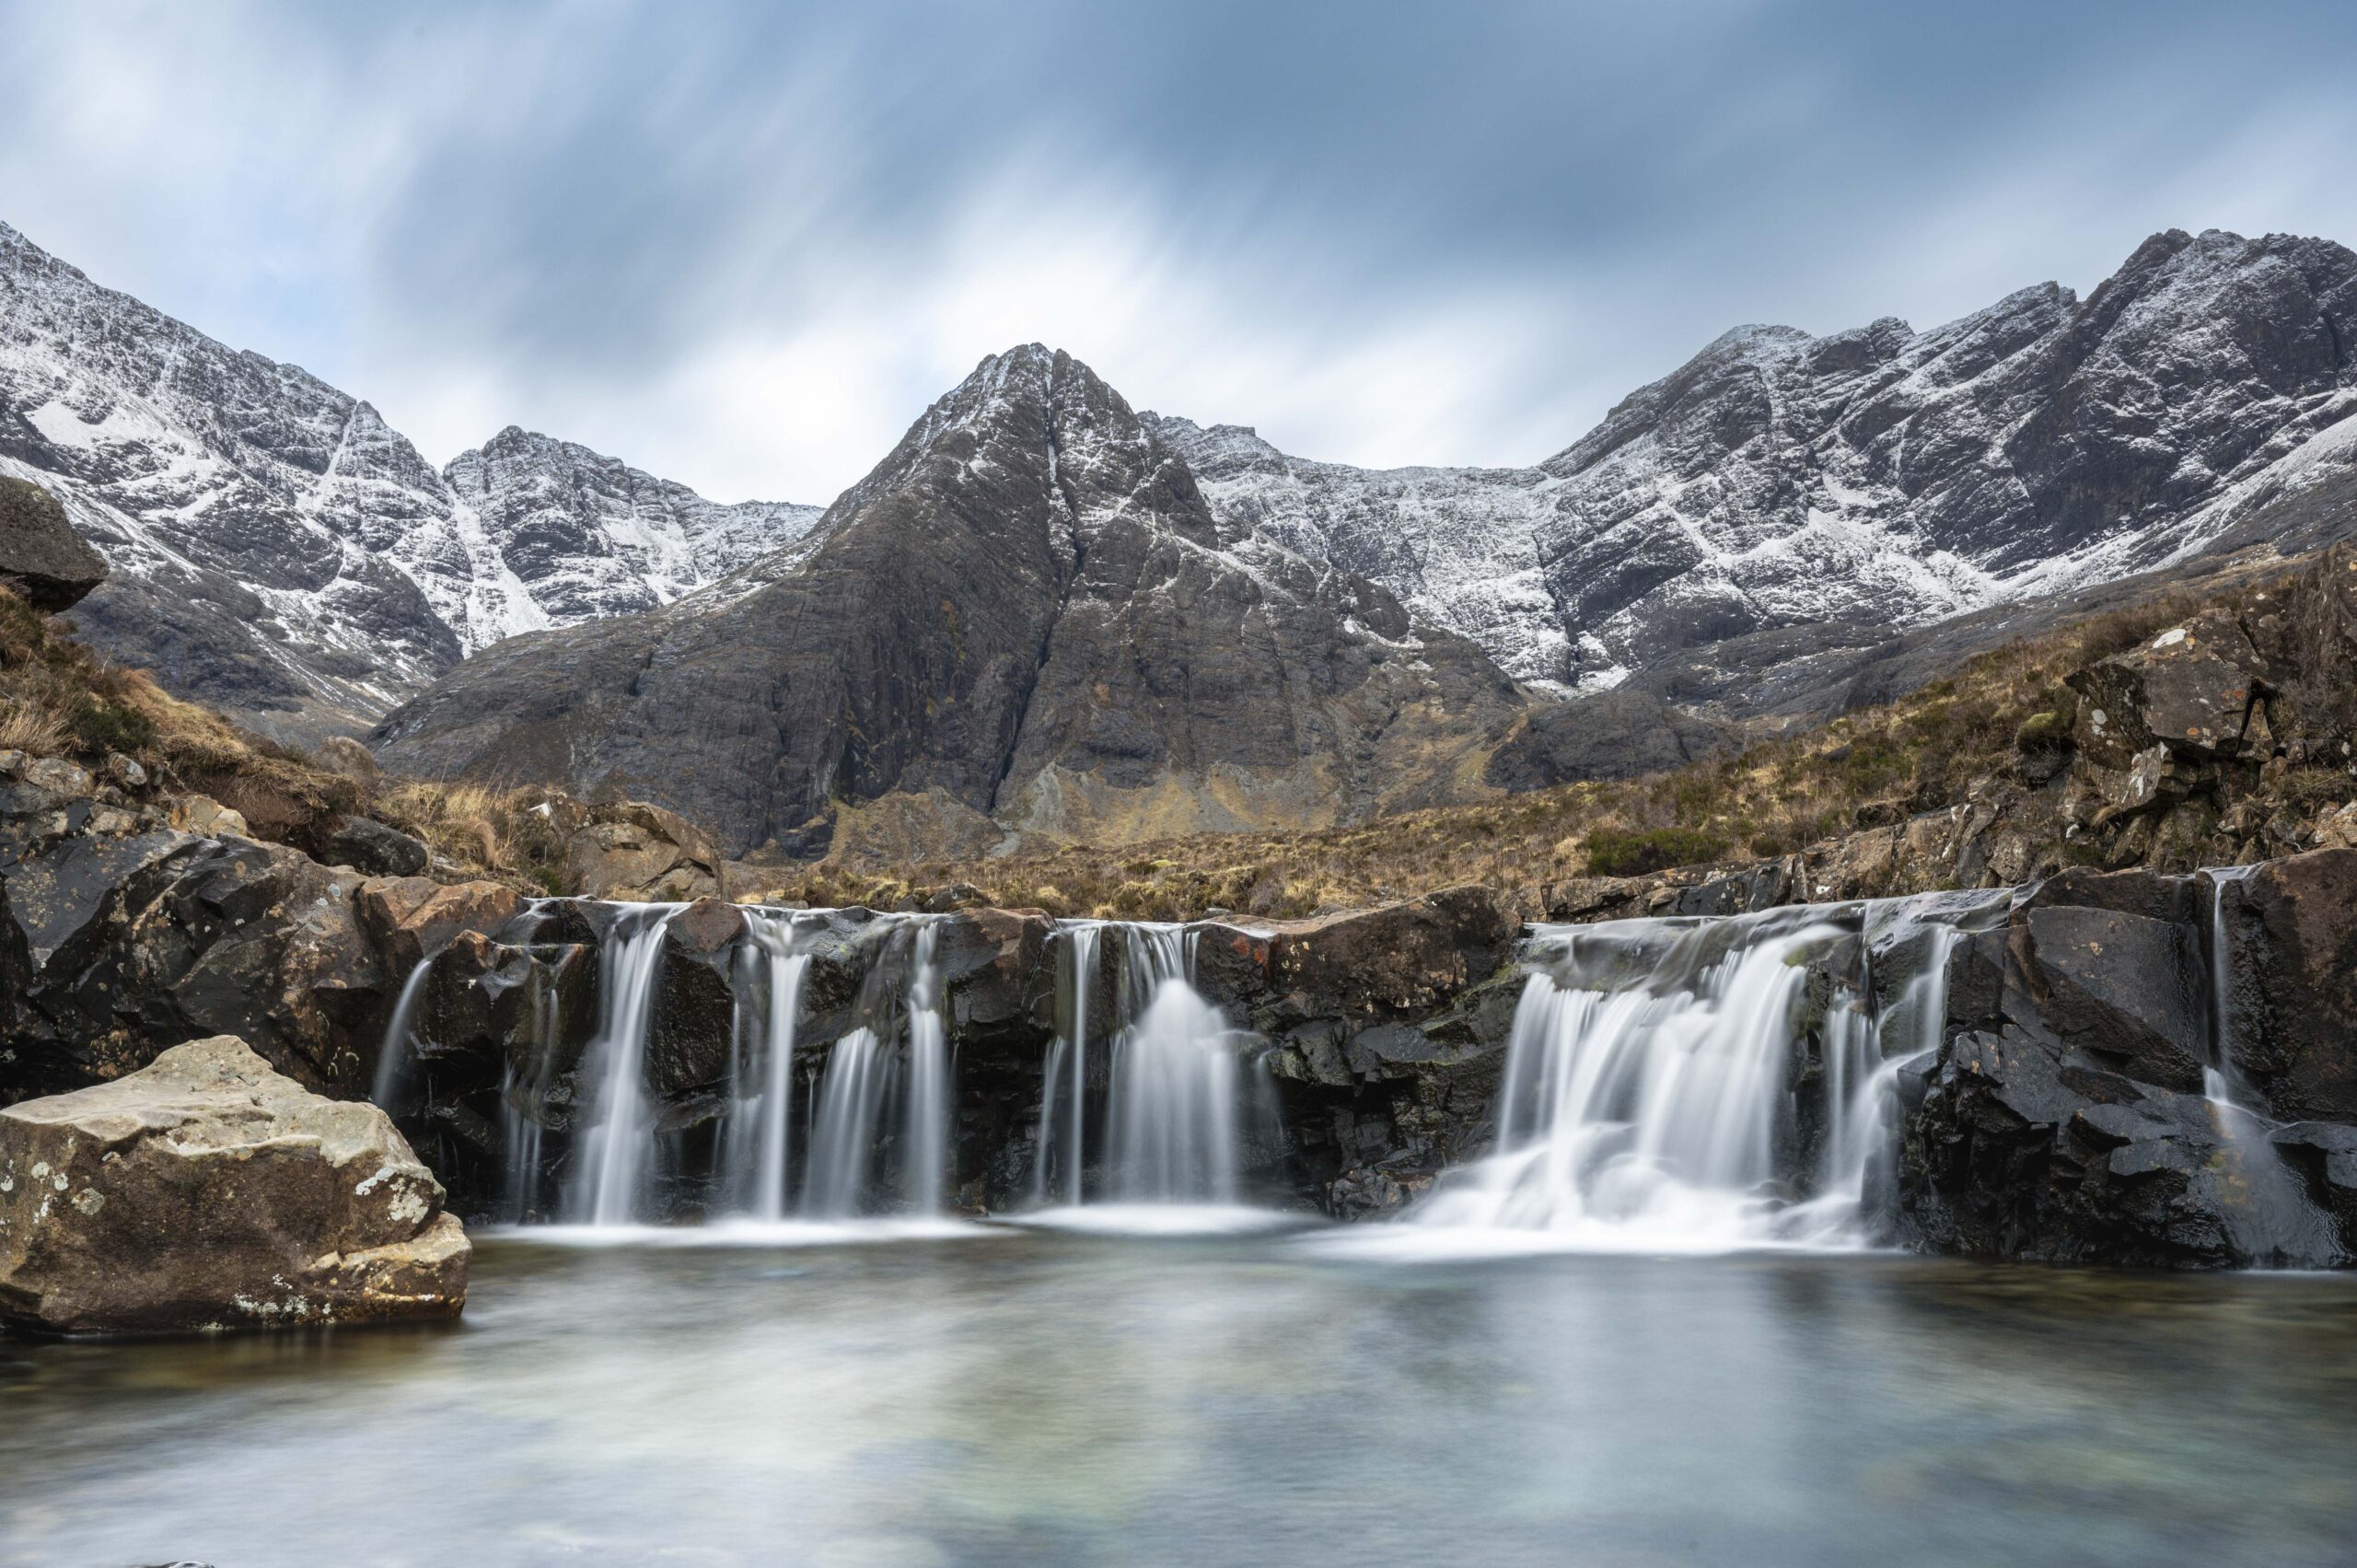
{"type": "Point", "coordinates": [588, 535]}
{"type": "Point", "coordinates": [1875, 478]}
{"type": "Point", "coordinates": [281, 553]}
{"type": "Point", "coordinates": [1024, 619]}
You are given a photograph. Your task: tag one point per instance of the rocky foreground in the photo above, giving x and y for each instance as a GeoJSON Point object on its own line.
{"type": "Point", "coordinates": [207, 1191]}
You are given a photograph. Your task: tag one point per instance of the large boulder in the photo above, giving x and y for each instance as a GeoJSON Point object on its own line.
{"type": "Point", "coordinates": [2192, 689]}
{"type": "Point", "coordinates": [373, 849]}
{"type": "Point", "coordinates": [207, 1191]}
{"type": "Point", "coordinates": [41, 555]}
{"type": "Point", "coordinates": [136, 937]}
{"type": "Point", "coordinates": [644, 854]}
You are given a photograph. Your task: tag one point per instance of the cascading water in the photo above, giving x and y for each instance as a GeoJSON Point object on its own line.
{"type": "Point", "coordinates": [397, 1055]}
{"type": "Point", "coordinates": [845, 1176]}
{"type": "Point", "coordinates": [1650, 1094]}
{"type": "Point", "coordinates": [2279, 1224]}
{"type": "Point", "coordinates": [757, 1146]}
{"type": "Point", "coordinates": [610, 1182]}
{"type": "Point", "coordinates": [1063, 1084]}
{"type": "Point", "coordinates": [1178, 1091]}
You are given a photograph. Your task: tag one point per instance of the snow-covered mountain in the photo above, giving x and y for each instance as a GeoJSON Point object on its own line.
{"type": "Point", "coordinates": [1024, 619]}
{"type": "Point", "coordinates": [588, 535]}
{"type": "Point", "coordinates": [1878, 475]}
{"type": "Point", "coordinates": [282, 553]}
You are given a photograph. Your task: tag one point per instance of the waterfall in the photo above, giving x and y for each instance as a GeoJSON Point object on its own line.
{"type": "Point", "coordinates": [845, 1176]}
{"type": "Point", "coordinates": [927, 1113]}
{"type": "Point", "coordinates": [2276, 1225]}
{"type": "Point", "coordinates": [610, 1184]}
{"type": "Point", "coordinates": [1064, 1083]}
{"type": "Point", "coordinates": [398, 1050]}
{"type": "Point", "coordinates": [1178, 1089]}
{"type": "Point", "coordinates": [758, 1142]}
{"type": "Point", "coordinates": [1650, 1097]}
{"type": "Point", "coordinates": [842, 1140]}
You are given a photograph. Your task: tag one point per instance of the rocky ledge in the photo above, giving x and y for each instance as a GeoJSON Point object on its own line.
{"type": "Point", "coordinates": [207, 1191]}
{"type": "Point", "coordinates": [2064, 1110]}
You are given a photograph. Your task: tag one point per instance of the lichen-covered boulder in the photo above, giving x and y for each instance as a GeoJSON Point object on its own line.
{"type": "Point", "coordinates": [2192, 689]}
{"type": "Point", "coordinates": [207, 1191]}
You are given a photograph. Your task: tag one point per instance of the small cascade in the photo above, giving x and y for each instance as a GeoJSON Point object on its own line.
{"type": "Point", "coordinates": [1651, 1099]}
{"type": "Point", "coordinates": [925, 1116]}
{"type": "Point", "coordinates": [848, 1174]}
{"type": "Point", "coordinates": [398, 1056]}
{"type": "Point", "coordinates": [609, 1183]}
{"type": "Point", "coordinates": [2277, 1225]}
{"type": "Point", "coordinates": [843, 1139]}
{"type": "Point", "coordinates": [1063, 1086]}
{"type": "Point", "coordinates": [1178, 1091]}
{"type": "Point", "coordinates": [757, 1144]}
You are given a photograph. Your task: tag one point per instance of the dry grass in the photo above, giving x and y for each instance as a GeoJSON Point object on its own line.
{"type": "Point", "coordinates": [510, 834]}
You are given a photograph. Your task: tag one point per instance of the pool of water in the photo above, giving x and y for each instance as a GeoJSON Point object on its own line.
{"type": "Point", "coordinates": [1045, 1398]}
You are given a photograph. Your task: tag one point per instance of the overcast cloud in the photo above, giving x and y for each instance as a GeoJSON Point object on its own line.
{"type": "Point", "coordinates": [744, 246]}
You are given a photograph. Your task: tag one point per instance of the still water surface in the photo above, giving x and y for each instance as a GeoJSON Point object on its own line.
{"type": "Point", "coordinates": [1048, 1398]}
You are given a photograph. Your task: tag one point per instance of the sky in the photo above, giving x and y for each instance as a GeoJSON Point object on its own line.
{"type": "Point", "coordinates": [743, 245]}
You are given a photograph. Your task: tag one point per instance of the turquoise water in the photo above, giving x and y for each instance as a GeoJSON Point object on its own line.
{"type": "Point", "coordinates": [1040, 1399]}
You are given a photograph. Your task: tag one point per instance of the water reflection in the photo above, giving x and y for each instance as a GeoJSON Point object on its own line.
{"type": "Point", "coordinates": [1051, 1398]}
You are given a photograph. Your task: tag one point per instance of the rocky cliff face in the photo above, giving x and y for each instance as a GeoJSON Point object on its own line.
{"type": "Point", "coordinates": [281, 553]}
{"type": "Point", "coordinates": [1878, 477]}
{"type": "Point", "coordinates": [1025, 617]}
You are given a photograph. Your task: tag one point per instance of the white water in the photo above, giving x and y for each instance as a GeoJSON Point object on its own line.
{"type": "Point", "coordinates": [1650, 1100]}
{"type": "Point", "coordinates": [611, 1183]}
{"type": "Point", "coordinates": [843, 1142]}
{"type": "Point", "coordinates": [925, 1119]}
{"type": "Point", "coordinates": [846, 1176]}
{"type": "Point", "coordinates": [399, 1047]}
{"type": "Point", "coordinates": [1178, 1098]}
{"type": "Point", "coordinates": [1063, 1084]}
{"type": "Point", "coordinates": [2276, 1223]}
{"type": "Point", "coordinates": [758, 1144]}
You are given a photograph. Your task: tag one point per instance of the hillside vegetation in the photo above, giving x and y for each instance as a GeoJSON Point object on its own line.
{"type": "Point", "coordinates": [1996, 734]}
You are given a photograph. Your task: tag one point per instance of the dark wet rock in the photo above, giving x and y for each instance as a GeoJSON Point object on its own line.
{"type": "Point", "coordinates": [137, 941]}
{"type": "Point", "coordinates": [2019, 1147]}
{"type": "Point", "coordinates": [374, 849]}
{"type": "Point", "coordinates": [2126, 988]}
{"type": "Point", "coordinates": [41, 555]}
{"type": "Point", "coordinates": [207, 1191]}
{"type": "Point", "coordinates": [2289, 928]}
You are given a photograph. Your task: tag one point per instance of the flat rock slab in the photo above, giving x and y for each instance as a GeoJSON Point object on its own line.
{"type": "Point", "coordinates": [207, 1191]}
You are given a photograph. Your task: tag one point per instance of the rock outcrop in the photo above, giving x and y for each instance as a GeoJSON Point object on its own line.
{"type": "Point", "coordinates": [2067, 1118]}
{"type": "Point", "coordinates": [207, 1191]}
{"type": "Point", "coordinates": [41, 555]}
